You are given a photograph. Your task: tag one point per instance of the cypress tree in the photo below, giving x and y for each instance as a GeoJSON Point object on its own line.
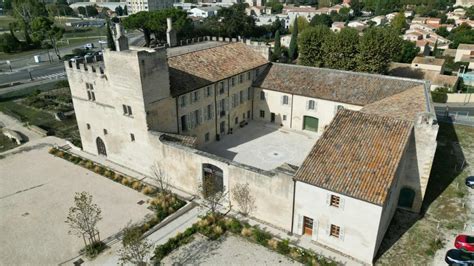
{"type": "Point", "coordinates": [110, 38]}
{"type": "Point", "coordinates": [277, 48]}
{"type": "Point", "coordinates": [125, 10]}
{"type": "Point", "coordinates": [293, 49]}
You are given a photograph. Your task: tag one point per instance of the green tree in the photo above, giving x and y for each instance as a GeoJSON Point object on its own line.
{"type": "Point", "coordinates": [45, 31]}
{"type": "Point", "coordinates": [275, 5]}
{"type": "Point", "coordinates": [91, 11]}
{"type": "Point", "coordinates": [376, 49]}
{"type": "Point", "coordinates": [356, 7]}
{"type": "Point", "coordinates": [324, 3]}
{"type": "Point", "coordinates": [470, 13]}
{"type": "Point", "coordinates": [322, 19]}
{"type": "Point", "coordinates": [110, 37]}
{"type": "Point", "coordinates": [310, 44]}
{"type": "Point", "coordinates": [140, 21]}
{"type": "Point", "coordinates": [8, 43]}
{"type": "Point", "coordinates": [293, 49]}
{"type": "Point", "coordinates": [442, 31]}
{"type": "Point", "coordinates": [119, 11]}
{"type": "Point", "coordinates": [125, 10]}
{"type": "Point", "coordinates": [181, 23]}
{"type": "Point", "coordinates": [135, 249]}
{"type": "Point", "coordinates": [399, 22]}
{"type": "Point", "coordinates": [25, 11]}
{"type": "Point", "coordinates": [277, 47]}
{"type": "Point", "coordinates": [407, 52]}
{"type": "Point", "coordinates": [302, 24]}
{"type": "Point", "coordinates": [461, 34]}
{"type": "Point", "coordinates": [340, 50]}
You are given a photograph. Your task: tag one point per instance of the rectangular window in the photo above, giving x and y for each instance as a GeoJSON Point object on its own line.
{"type": "Point", "coordinates": [209, 112]}
{"type": "Point", "coordinates": [132, 137]}
{"type": "Point", "coordinates": [208, 91]}
{"type": "Point", "coordinates": [284, 117]}
{"type": "Point", "coordinates": [184, 123]}
{"type": "Point", "coordinates": [88, 126]}
{"type": "Point", "coordinates": [249, 94]}
{"type": "Point", "coordinates": [248, 114]}
{"type": "Point", "coordinates": [262, 95]}
{"type": "Point", "coordinates": [335, 231]}
{"type": "Point", "coordinates": [222, 107]}
{"type": "Point", "coordinates": [233, 81]}
{"type": "Point", "coordinates": [221, 87]}
{"type": "Point", "coordinates": [262, 114]}
{"type": "Point", "coordinates": [241, 78]}
{"type": "Point", "coordinates": [105, 131]}
{"type": "Point", "coordinates": [236, 120]}
{"type": "Point", "coordinates": [285, 100]}
{"type": "Point", "coordinates": [335, 200]}
{"type": "Point", "coordinates": [241, 97]}
{"type": "Point", "coordinates": [197, 118]}
{"type": "Point", "coordinates": [90, 92]}
{"type": "Point", "coordinates": [195, 96]}
{"type": "Point", "coordinates": [206, 137]}
{"type": "Point", "coordinates": [311, 105]}
{"type": "Point", "coordinates": [249, 75]}
{"type": "Point", "coordinates": [127, 110]}
{"type": "Point", "coordinates": [235, 100]}
{"type": "Point", "coordinates": [182, 101]}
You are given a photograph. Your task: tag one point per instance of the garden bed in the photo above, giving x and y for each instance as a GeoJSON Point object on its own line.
{"type": "Point", "coordinates": [213, 226]}
{"type": "Point", "coordinates": [163, 203]}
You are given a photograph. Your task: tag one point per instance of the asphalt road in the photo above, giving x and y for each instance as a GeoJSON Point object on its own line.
{"type": "Point", "coordinates": [46, 69]}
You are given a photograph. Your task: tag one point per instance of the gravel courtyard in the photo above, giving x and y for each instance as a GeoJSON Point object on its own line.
{"type": "Point", "coordinates": [36, 191]}
{"type": "Point", "coordinates": [228, 250]}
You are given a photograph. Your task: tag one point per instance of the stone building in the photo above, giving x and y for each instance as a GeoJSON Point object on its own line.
{"type": "Point", "coordinates": [328, 154]}
{"type": "Point", "coordinates": [135, 6]}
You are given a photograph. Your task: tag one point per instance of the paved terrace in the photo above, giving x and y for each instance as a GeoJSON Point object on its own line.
{"type": "Point", "coordinates": [265, 146]}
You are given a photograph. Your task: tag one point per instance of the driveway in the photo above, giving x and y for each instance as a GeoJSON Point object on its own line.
{"type": "Point", "coordinates": [36, 191]}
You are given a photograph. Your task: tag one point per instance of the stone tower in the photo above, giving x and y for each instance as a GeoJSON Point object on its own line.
{"type": "Point", "coordinates": [121, 41]}
{"type": "Point", "coordinates": [171, 33]}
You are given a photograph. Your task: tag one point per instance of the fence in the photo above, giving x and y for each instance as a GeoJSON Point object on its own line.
{"type": "Point", "coordinates": [462, 118]}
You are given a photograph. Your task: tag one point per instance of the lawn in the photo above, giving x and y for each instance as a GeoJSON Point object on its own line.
{"type": "Point", "coordinates": [43, 118]}
{"type": "Point", "coordinates": [4, 21]}
{"type": "Point", "coordinates": [414, 239]}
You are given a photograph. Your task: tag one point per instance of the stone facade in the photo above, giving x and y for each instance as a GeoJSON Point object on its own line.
{"type": "Point", "coordinates": [127, 107]}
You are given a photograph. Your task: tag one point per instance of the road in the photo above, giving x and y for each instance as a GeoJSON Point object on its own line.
{"type": "Point", "coordinates": [36, 72]}
{"type": "Point", "coordinates": [456, 108]}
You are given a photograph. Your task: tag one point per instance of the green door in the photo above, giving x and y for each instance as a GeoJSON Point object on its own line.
{"type": "Point", "coordinates": [310, 123]}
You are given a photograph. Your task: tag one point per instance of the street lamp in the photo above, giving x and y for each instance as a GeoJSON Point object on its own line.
{"type": "Point", "coordinates": [29, 73]}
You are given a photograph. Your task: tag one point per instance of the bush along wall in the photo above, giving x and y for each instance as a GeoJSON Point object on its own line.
{"type": "Point", "coordinates": [163, 203]}
{"type": "Point", "coordinates": [214, 225]}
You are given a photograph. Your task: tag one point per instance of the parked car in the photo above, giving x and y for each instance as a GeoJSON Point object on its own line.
{"type": "Point", "coordinates": [88, 46]}
{"type": "Point", "coordinates": [459, 257]}
{"type": "Point", "coordinates": [464, 242]}
{"type": "Point", "coordinates": [470, 181]}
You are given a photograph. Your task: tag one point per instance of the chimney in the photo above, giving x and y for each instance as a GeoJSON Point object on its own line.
{"type": "Point", "coordinates": [121, 41]}
{"type": "Point", "coordinates": [170, 33]}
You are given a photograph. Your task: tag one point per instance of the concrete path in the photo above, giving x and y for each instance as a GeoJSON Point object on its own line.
{"type": "Point", "coordinates": [11, 123]}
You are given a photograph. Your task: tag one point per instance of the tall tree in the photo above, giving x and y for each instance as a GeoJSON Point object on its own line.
{"type": "Point", "coordinates": [376, 49]}
{"type": "Point", "coordinates": [44, 30]}
{"type": "Point", "coordinates": [140, 21]}
{"type": "Point", "coordinates": [340, 50]}
{"type": "Point", "coordinates": [83, 218]}
{"type": "Point", "coordinates": [110, 37]}
{"type": "Point", "coordinates": [322, 19]}
{"type": "Point", "coordinates": [242, 194]}
{"type": "Point", "coordinates": [301, 22]}
{"type": "Point", "coordinates": [125, 10]}
{"type": "Point", "coordinates": [277, 47]}
{"type": "Point", "coordinates": [399, 22]}
{"type": "Point", "coordinates": [293, 49]}
{"type": "Point", "coordinates": [407, 52]}
{"type": "Point", "coordinates": [310, 42]}
{"type": "Point", "coordinates": [25, 11]}
{"type": "Point", "coordinates": [119, 10]}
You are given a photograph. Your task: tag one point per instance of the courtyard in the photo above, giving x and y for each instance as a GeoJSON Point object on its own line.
{"type": "Point", "coordinates": [265, 146]}
{"type": "Point", "coordinates": [36, 192]}
{"type": "Point", "coordinates": [228, 250]}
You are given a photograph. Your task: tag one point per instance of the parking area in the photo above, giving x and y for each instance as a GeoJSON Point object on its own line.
{"type": "Point", "coordinates": [228, 250]}
{"type": "Point", "coordinates": [36, 192]}
{"type": "Point", "coordinates": [265, 146]}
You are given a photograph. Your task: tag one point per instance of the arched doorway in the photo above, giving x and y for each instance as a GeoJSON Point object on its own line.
{"type": "Point", "coordinates": [310, 123]}
{"type": "Point", "coordinates": [212, 179]}
{"type": "Point", "coordinates": [406, 198]}
{"type": "Point", "coordinates": [100, 147]}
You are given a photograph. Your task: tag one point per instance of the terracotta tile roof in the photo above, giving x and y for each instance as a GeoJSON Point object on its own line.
{"type": "Point", "coordinates": [188, 141]}
{"type": "Point", "coordinates": [406, 71]}
{"type": "Point", "coordinates": [358, 156]}
{"type": "Point", "coordinates": [197, 69]}
{"type": "Point", "coordinates": [428, 60]}
{"type": "Point", "coordinates": [329, 84]}
{"type": "Point", "coordinates": [404, 105]}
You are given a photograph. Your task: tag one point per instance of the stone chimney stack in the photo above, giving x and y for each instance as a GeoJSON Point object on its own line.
{"type": "Point", "coordinates": [170, 33]}
{"type": "Point", "coordinates": [121, 41]}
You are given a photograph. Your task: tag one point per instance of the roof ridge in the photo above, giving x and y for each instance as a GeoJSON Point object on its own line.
{"type": "Point", "coordinates": [204, 49]}
{"type": "Point", "coordinates": [353, 72]}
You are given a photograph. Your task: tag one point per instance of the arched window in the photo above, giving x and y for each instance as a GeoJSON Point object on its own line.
{"type": "Point", "coordinates": [212, 179]}
{"type": "Point", "coordinates": [100, 147]}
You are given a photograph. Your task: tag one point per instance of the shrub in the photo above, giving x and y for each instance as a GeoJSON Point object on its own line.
{"type": "Point", "coordinates": [261, 236]}
{"type": "Point", "coordinates": [125, 181]}
{"type": "Point", "coordinates": [147, 190]}
{"type": "Point", "coordinates": [283, 247]}
{"type": "Point", "coordinates": [60, 154]}
{"type": "Point", "coordinates": [218, 230]}
{"type": "Point", "coordinates": [439, 95]}
{"type": "Point", "coordinates": [117, 177]}
{"type": "Point", "coordinates": [272, 243]}
{"type": "Point", "coordinates": [136, 185]}
{"type": "Point", "coordinates": [246, 232]}
{"type": "Point", "coordinates": [109, 173]}
{"type": "Point", "coordinates": [53, 151]}
{"type": "Point", "coordinates": [94, 249]}
{"type": "Point", "coordinates": [89, 164]}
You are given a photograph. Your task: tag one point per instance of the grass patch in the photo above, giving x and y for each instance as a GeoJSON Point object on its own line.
{"type": "Point", "coordinates": [417, 240]}
{"type": "Point", "coordinates": [4, 21]}
{"type": "Point", "coordinates": [6, 143]}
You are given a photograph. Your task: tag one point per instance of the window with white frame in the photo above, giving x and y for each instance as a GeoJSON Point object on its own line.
{"type": "Point", "coordinates": [335, 231]}
{"type": "Point", "coordinates": [311, 105]}
{"type": "Point", "coordinates": [285, 100]}
{"type": "Point", "coordinates": [335, 201]}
